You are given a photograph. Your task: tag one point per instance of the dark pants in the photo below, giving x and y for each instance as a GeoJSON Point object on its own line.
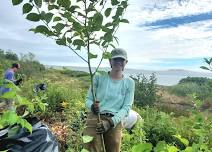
{"type": "Point", "coordinates": [112, 138]}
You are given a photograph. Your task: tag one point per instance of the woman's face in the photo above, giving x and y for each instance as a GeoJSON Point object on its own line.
{"type": "Point", "coordinates": [118, 64]}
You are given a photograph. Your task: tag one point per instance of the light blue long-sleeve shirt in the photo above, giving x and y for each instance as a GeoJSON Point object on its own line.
{"type": "Point", "coordinates": [115, 96]}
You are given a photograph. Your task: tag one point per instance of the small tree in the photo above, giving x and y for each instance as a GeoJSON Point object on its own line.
{"type": "Point", "coordinates": [78, 25]}
{"type": "Point", "coordinates": [145, 90]}
{"type": "Point", "coordinates": [11, 56]}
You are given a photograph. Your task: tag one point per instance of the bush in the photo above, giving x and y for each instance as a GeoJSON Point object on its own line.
{"type": "Point", "coordinates": [145, 90]}
{"type": "Point", "coordinates": [183, 89]}
{"type": "Point", "coordinates": [158, 126]}
{"type": "Point", "coordinates": [197, 80]}
{"type": "Point", "coordinates": [72, 73]}
{"type": "Point", "coordinates": [196, 128]}
{"type": "Point", "coordinates": [29, 66]}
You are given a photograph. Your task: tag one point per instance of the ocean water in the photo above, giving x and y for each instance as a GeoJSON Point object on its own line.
{"type": "Point", "coordinates": [171, 78]}
{"type": "Point", "coordinates": [166, 78]}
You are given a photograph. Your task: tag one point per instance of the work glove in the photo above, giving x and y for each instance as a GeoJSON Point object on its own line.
{"type": "Point", "coordinates": [104, 126]}
{"type": "Point", "coordinates": [95, 107]}
{"type": "Point", "coordinates": [17, 82]}
{"type": "Point", "coordinates": [42, 86]}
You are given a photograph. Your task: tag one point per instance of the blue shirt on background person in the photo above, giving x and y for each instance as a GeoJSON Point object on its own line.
{"type": "Point", "coordinates": [9, 75]}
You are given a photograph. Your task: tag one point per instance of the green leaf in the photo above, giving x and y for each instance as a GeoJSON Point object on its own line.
{"type": "Point", "coordinates": [41, 106]}
{"type": "Point", "coordinates": [188, 149]}
{"type": "Point", "coordinates": [105, 29]}
{"type": "Point", "coordinates": [11, 85]}
{"type": "Point", "coordinates": [106, 55]}
{"type": "Point", "coordinates": [172, 149]}
{"type": "Point", "coordinates": [77, 26]}
{"type": "Point", "coordinates": [91, 8]}
{"type": "Point", "coordinates": [160, 147]}
{"type": "Point", "coordinates": [61, 41]}
{"type": "Point", "coordinates": [43, 30]}
{"type": "Point", "coordinates": [16, 2]}
{"type": "Point", "coordinates": [104, 43]}
{"type": "Point", "coordinates": [108, 37]}
{"type": "Point", "coordinates": [78, 42]}
{"type": "Point", "coordinates": [107, 12]}
{"type": "Point", "coordinates": [69, 40]}
{"type": "Point", "coordinates": [64, 3]}
{"type": "Point", "coordinates": [207, 61]}
{"type": "Point", "coordinates": [26, 124]}
{"type": "Point", "coordinates": [205, 68]}
{"type": "Point", "coordinates": [97, 19]}
{"type": "Point", "coordinates": [183, 140]}
{"type": "Point", "coordinates": [51, 7]}
{"type": "Point", "coordinates": [38, 3]}
{"type": "Point", "coordinates": [114, 2]}
{"type": "Point", "coordinates": [9, 117]}
{"type": "Point", "coordinates": [73, 8]}
{"type": "Point", "coordinates": [57, 19]}
{"type": "Point", "coordinates": [68, 15]}
{"type": "Point", "coordinates": [84, 150]}
{"type": "Point", "coordinates": [124, 4]}
{"type": "Point", "coordinates": [119, 11]}
{"type": "Point", "coordinates": [27, 8]}
{"type": "Point", "coordinates": [87, 139]}
{"type": "Point", "coordinates": [42, 15]}
{"type": "Point", "coordinates": [92, 56]}
{"type": "Point", "coordinates": [108, 24]}
{"type": "Point", "coordinates": [24, 101]}
{"type": "Point", "coordinates": [33, 17]}
{"type": "Point", "coordinates": [59, 27]}
{"type": "Point", "coordinates": [81, 14]}
{"type": "Point", "coordinates": [210, 60]}
{"type": "Point", "coordinates": [124, 21]}
{"type": "Point", "coordinates": [142, 147]}
{"type": "Point", "coordinates": [9, 95]}
{"type": "Point", "coordinates": [48, 17]}
{"type": "Point", "coordinates": [112, 46]}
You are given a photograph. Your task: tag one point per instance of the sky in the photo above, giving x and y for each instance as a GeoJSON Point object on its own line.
{"type": "Point", "coordinates": [161, 35]}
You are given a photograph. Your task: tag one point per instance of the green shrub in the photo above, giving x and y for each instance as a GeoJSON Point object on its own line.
{"type": "Point", "coordinates": [145, 90]}
{"type": "Point", "coordinates": [158, 126]}
{"type": "Point", "coordinates": [137, 136]}
{"type": "Point", "coordinates": [197, 80]}
{"type": "Point", "coordinates": [196, 128]}
{"type": "Point", "coordinates": [73, 73]}
{"type": "Point", "coordinates": [183, 89]}
{"type": "Point", "coordinates": [29, 66]}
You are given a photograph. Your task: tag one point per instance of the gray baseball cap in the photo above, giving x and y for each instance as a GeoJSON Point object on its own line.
{"type": "Point", "coordinates": [119, 53]}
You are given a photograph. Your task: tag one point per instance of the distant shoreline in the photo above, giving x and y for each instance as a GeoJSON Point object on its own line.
{"type": "Point", "coordinates": [166, 77]}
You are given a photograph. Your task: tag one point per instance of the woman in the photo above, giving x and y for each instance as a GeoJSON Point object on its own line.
{"type": "Point", "coordinates": [114, 94]}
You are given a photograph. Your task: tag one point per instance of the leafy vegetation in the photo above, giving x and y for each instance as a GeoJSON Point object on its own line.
{"type": "Point", "coordinates": [146, 90]}
{"type": "Point", "coordinates": [65, 114]}
{"type": "Point", "coordinates": [202, 87]}
{"type": "Point", "coordinates": [80, 25]}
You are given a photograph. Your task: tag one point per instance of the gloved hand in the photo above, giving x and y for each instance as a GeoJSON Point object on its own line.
{"type": "Point", "coordinates": [17, 82]}
{"type": "Point", "coordinates": [104, 126]}
{"type": "Point", "coordinates": [95, 107]}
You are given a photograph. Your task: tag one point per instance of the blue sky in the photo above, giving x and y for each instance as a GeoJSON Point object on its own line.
{"type": "Point", "coordinates": [162, 34]}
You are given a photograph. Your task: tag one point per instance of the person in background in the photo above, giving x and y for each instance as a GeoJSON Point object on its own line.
{"type": "Point", "coordinates": [9, 75]}
{"type": "Point", "coordinates": [115, 95]}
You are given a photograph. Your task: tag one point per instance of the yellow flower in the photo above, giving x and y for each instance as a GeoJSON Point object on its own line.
{"type": "Point", "coordinates": [64, 104]}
